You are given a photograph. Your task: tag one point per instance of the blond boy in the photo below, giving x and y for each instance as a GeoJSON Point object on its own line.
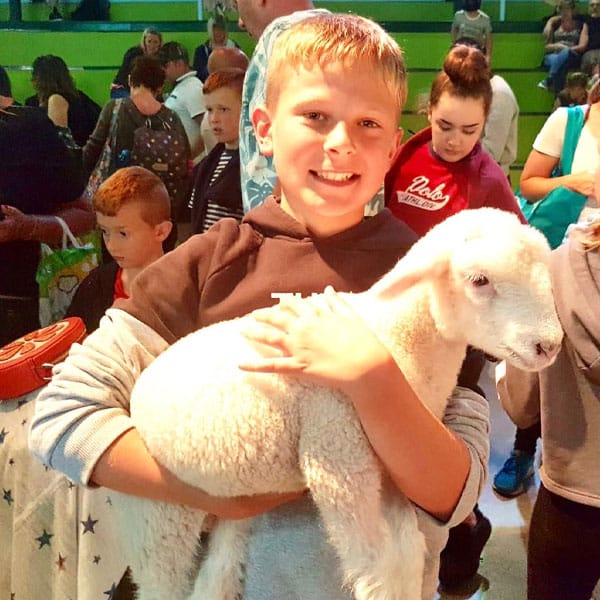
{"type": "Point", "coordinates": [336, 87]}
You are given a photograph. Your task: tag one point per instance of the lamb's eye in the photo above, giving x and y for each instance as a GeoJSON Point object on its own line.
{"type": "Point", "coordinates": [478, 279]}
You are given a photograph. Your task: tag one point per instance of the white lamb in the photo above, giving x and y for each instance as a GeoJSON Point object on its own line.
{"type": "Point", "coordinates": [479, 278]}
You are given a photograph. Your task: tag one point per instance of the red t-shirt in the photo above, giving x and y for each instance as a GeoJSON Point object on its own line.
{"type": "Point", "coordinates": [428, 190]}
{"type": "Point", "coordinates": [119, 289]}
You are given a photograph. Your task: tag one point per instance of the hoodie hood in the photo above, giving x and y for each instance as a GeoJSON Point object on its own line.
{"type": "Point", "coordinates": [576, 285]}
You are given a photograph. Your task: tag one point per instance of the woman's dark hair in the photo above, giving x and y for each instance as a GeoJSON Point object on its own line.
{"type": "Point", "coordinates": [471, 4]}
{"type": "Point", "coordinates": [466, 74]}
{"type": "Point", "coordinates": [147, 71]}
{"type": "Point", "coordinates": [51, 76]}
{"type": "Point", "coordinates": [5, 89]}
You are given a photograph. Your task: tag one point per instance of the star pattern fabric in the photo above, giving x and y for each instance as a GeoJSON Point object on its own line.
{"type": "Point", "coordinates": [66, 535]}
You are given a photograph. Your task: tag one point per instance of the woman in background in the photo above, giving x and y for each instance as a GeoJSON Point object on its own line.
{"type": "Point", "coordinates": [67, 106]}
{"type": "Point", "coordinates": [217, 38]}
{"type": "Point", "coordinates": [150, 44]}
{"type": "Point", "coordinates": [438, 172]}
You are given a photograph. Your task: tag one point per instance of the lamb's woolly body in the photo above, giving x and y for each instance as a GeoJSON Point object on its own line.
{"type": "Point", "coordinates": [233, 433]}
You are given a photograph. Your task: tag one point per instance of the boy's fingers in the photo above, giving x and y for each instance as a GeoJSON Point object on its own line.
{"type": "Point", "coordinates": [266, 336]}
{"type": "Point", "coordinates": [276, 364]}
{"type": "Point", "coordinates": [337, 303]}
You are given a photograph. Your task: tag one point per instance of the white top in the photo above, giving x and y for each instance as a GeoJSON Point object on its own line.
{"type": "Point", "coordinates": [500, 133]}
{"type": "Point", "coordinates": [551, 137]}
{"type": "Point", "coordinates": [187, 100]}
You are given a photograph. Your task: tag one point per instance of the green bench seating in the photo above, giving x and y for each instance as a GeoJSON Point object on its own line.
{"type": "Point", "coordinates": [94, 57]}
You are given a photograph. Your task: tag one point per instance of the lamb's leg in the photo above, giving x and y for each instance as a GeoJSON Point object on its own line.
{"type": "Point", "coordinates": [221, 573]}
{"type": "Point", "coordinates": [380, 547]}
{"type": "Point", "coordinates": [162, 546]}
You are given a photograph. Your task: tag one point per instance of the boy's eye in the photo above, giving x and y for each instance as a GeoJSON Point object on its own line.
{"type": "Point", "coordinates": [123, 234]}
{"type": "Point", "coordinates": [313, 115]}
{"type": "Point", "coordinates": [369, 123]}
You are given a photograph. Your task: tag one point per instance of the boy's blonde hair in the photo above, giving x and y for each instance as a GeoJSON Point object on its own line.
{"type": "Point", "coordinates": [337, 38]}
{"type": "Point", "coordinates": [134, 185]}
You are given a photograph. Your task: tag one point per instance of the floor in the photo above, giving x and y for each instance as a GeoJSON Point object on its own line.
{"type": "Point", "coordinates": [502, 572]}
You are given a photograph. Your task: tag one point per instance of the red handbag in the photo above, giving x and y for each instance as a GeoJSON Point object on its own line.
{"type": "Point", "coordinates": [26, 364]}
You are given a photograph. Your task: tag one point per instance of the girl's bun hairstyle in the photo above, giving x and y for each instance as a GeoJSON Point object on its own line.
{"type": "Point", "coordinates": [466, 73]}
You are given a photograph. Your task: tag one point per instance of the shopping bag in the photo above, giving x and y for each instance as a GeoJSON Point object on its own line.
{"type": "Point", "coordinates": [60, 272]}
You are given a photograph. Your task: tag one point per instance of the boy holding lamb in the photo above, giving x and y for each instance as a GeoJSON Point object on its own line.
{"type": "Point", "coordinates": [335, 88]}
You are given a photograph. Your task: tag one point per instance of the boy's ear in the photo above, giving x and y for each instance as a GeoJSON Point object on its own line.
{"type": "Point", "coordinates": [163, 230]}
{"type": "Point", "coordinates": [397, 143]}
{"type": "Point", "coordinates": [429, 112]}
{"type": "Point", "coordinates": [261, 121]}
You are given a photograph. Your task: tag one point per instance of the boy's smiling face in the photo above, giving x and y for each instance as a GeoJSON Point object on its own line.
{"type": "Point", "coordinates": [333, 133]}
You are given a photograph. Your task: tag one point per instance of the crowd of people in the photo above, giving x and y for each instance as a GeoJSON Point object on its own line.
{"type": "Point", "coordinates": [257, 165]}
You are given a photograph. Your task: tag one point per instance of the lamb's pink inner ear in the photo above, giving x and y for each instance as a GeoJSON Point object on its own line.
{"type": "Point", "coordinates": [396, 282]}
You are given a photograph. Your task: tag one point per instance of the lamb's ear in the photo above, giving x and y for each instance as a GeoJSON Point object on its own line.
{"type": "Point", "coordinates": [409, 272]}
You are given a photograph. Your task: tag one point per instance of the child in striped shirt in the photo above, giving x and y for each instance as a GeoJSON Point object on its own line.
{"type": "Point", "coordinates": [216, 192]}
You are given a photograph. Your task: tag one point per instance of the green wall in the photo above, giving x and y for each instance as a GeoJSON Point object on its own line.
{"type": "Point", "coordinates": [94, 51]}
{"type": "Point", "coordinates": [427, 12]}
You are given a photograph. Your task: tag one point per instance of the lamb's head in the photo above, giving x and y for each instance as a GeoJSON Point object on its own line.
{"type": "Point", "coordinates": [489, 285]}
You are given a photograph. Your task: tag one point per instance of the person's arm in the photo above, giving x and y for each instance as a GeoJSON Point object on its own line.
{"type": "Point", "coordinates": [536, 180]}
{"type": "Point", "coordinates": [549, 27]}
{"type": "Point", "coordinates": [16, 225]}
{"type": "Point", "coordinates": [519, 394]}
{"type": "Point", "coordinates": [93, 147]}
{"type": "Point", "coordinates": [489, 42]}
{"type": "Point", "coordinates": [582, 44]}
{"type": "Point", "coordinates": [335, 348]}
{"type": "Point", "coordinates": [127, 467]}
{"type": "Point", "coordinates": [82, 425]}
{"type": "Point", "coordinates": [58, 110]}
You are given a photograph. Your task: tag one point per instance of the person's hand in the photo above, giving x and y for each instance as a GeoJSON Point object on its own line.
{"type": "Point", "coordinates": [15, 225]}
{"type": "Point", "coordinates": [327, 344]}
{"type": "Point", "coordinates": [582, 183]}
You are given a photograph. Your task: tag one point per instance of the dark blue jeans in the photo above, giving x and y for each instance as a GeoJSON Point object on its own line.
{"type": "Point", "coordinates": [558, 65]}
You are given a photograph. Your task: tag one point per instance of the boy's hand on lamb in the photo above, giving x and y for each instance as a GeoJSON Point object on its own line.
{"type": "Point", "coordinates": [327, 344]}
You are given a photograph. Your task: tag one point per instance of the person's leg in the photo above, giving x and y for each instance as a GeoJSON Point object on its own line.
{"type": "Point", "coordinates": [565, 60]}
{"type": "Point", "coordinates": [460, 559]}
{"type": "Point", "coordinates": [514, 476]}
{"type": "Point", "coordinates": [563, 558]}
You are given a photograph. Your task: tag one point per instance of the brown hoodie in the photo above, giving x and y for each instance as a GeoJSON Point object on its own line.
{"type": "Point", "coordinates": [566, 394]}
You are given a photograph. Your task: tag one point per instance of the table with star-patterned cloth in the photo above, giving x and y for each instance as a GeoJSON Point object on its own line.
{"type": "Point", "coordinates": [59, 541]}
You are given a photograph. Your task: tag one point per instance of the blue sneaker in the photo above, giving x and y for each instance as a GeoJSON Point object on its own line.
{"type": "Point", "coordinates": [513, 478]}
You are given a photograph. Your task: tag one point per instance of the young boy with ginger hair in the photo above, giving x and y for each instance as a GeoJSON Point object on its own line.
{"type": "Point", "coordinates": [336, 86]}
{"type": "Point", "coordinates": [133, 213]}
{"type": "Point", "coordinates": [216, 191]}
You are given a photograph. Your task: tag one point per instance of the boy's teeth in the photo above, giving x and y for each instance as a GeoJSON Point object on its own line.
{"type": "Point", "coordinates": [334, 176]}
